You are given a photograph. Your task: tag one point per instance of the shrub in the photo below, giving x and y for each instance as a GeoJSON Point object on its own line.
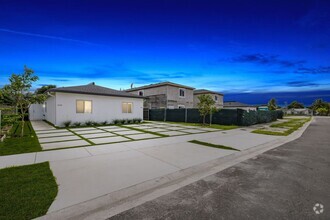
{"type": "Point", "coordinates": [104, 123]}
{"type": "Point", "coordinates": [137, 120]}
{"type": "Point", "coordinates": [116, 121]}
{"type": "Point", "coordinates": [89, 123]}
{"type": "Point", "coordinates": [77, 124]}
{"type": "Point", "coordinates": [67, 123]}
{"type": "Point", "coordinates": [123, 121]}
{"type": "Point", "coordinates": [130, 121]}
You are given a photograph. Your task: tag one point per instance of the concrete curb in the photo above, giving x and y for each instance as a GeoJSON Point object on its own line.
{"type": "Point", "coordinates": [116, 202]}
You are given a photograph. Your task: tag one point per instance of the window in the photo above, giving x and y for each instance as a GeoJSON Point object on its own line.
{"type": "Point", "coordinates": [181, 92]}
{"type": "Point", "coordinates": [181, 106]}
{"type": "Point", "coordinates": [215, 98]}
{"type": "Point", "coordinates": [127, 107]}
{"type": "Point", "coordinates": [83, 106]}
{"type": "Point", "coordinates": [141, 93]}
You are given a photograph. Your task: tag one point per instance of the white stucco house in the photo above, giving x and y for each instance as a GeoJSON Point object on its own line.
{"type": "Point", "coordinates": [89, 103]}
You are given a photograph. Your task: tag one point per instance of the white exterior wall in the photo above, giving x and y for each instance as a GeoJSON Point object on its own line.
{"type": "Point", "coordinates": [104, 108]}
{"type": "Point", "coordinates": [49, 110]}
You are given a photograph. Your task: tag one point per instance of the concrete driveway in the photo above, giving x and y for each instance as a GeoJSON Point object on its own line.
{"type": "Point", "coordinates": [89, 172]}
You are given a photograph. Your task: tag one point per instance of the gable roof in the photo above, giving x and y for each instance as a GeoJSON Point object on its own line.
{"type": "Point", "coordinates": [205, 91]}
{"type": "Point", "coordinates": [159, 84]}
{"type": "Point", "coordinates": [236, 104]}
{"type": "Point", "coordinates": [92, 89]}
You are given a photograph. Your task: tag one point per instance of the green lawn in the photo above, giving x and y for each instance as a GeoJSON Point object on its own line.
{"type": "Point", "coordinates": [216, 126]}
{"type": "Point", "coordinates": [213, 145]}
{"type": "Point", "coordinates": [16, 144]}
{"type": "Point", "coordinates": [26, 192]}
{"type": "Point", "coordinates": [291, 126]}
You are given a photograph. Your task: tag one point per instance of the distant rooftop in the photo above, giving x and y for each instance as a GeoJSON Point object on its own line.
{"type": "Point", "coordinates": [159, 84]}
{"type": "Point", "coordinates": [236, 104]}
{"type": "Point", "coordinates": [92, 89]}
{"type": "Point", "coordinates": [205, 91]}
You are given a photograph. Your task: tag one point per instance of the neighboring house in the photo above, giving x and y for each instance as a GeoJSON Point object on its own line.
{"type": "Point", "coordinates": [90, 103]}
{"type": "Point", "coordinates": [263, 108]}
{"type": "Point", "coordinates": [298, 111]}
{"type": "Point", "coordinates": [235, 105]}
{"type": "Point", "coordinates": [217, 97]}
{"type": "Point", "coordinates": [165, 95]}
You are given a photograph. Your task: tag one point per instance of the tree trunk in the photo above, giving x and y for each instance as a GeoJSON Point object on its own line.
{"type": "Point", "coordinates": [204, 119]}
{"type": "Point", "coordinates": [22, 115]}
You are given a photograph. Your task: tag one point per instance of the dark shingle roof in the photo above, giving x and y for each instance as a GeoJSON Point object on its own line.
{"type": "Point", "coordinates": [159, 84]}
{"type": "Point", "coordinates": [205, 91]}
{"type": "Point", "coordinates": [236, 104]}
{"type": "Point", "coordinates": [92, 89]}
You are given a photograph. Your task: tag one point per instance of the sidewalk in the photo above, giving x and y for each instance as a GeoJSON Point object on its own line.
{"type": "Point", "coordinates": [89, 172]}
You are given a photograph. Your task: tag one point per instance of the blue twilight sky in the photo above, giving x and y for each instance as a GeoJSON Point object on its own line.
{"type": "Point", "coordinates": [238, 47]}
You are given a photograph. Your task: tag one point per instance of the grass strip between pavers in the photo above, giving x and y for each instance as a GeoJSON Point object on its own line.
{"type": "Point", "coordinates": [212, 145]}
{"type": "Point", "coordinates": [26, 192]}
{"type": "Point", "coordinates": [85, 139]}
{"type": "Point", "coordinates": [144, 131]}
{"type": "Point", "coordinates": [292, 125]}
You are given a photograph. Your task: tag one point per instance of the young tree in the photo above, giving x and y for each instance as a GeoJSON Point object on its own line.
{"type": "Point", "coordinates": [18, 89]}
{"type": "Point", "coordinates": [295, 104]}
{"type": "Point", "coordinates": [272, 104]}
{"type": "Point", "coordinates": [205, 106]}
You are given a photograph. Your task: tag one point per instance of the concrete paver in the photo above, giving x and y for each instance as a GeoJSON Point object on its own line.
{"type": "Point", "coordinates": [50, 131]}
{"type": "Point", "coordinates": [56, 134]}
{"type": "Point", "coordinates": [108, 140]}
{"type": "Point", "coordinates": [82, 129]}
{"type": "Point", "coordinates": [97, 135]}
{"type": "Point", "coordinates": [117, 129]}
{"type": "Point", "coordinates": [156, 129]}
{"type": "Point", "coordinates": [128, 132]}
{"type": "Point", "coordinates": [61, 138]}
{"type": "Point", "coordinates": [108, 127]}
{"type": "Point", "coordinates": [173, 128]}
{"type": "Point", "coordinates": [94, 131]}
{"type": "Point", "coordinates": [55, 145]}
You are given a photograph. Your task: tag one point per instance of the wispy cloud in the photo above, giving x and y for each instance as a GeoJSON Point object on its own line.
{"type": "Point", "coordinates": [302, 84]}
{"type": "Point", "coordinates": [315, 70]}
{"type": "Point", "coordinates": [48, 37]}
{"type": "Point", "coordinates": [265, 59]}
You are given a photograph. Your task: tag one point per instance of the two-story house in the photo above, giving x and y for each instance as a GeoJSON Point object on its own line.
{"type": "Point", "coordinates": [165, 95]}
{"type": "Point", "coordinates": [218, 97]}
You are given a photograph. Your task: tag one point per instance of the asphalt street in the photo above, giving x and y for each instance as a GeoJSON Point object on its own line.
{"type": "Point", "coordinates": [283, 183]}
